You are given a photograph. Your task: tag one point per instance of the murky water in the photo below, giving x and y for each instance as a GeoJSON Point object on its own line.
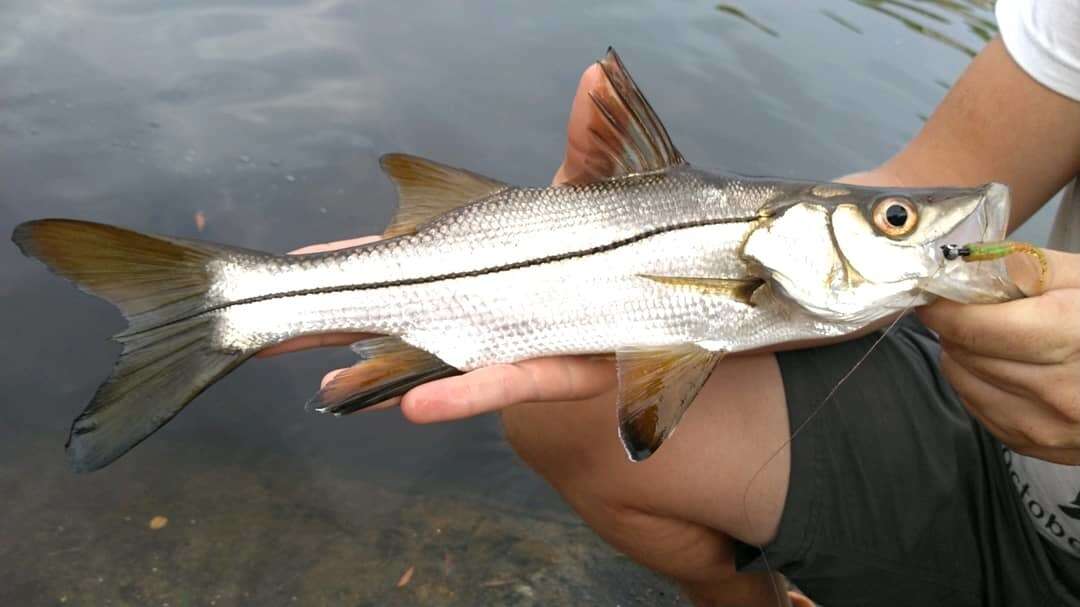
{"type": "Point", "coordinates": [259, 124]}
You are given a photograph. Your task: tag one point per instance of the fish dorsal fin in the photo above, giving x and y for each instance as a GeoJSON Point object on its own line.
{"type": "Point", "coordinates": [627, 129]}
{"type": "Point", "coordinates": [738, 289]}
{"type": "Point", "coordinates": [428, 189]}
{"type": "Point", "coordinates": [388, 368]}
{"type": "Point", "coordinates": [656, 385]}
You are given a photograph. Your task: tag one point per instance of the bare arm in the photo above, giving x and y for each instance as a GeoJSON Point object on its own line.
{"type": "Point", "coordinates": [996, 124]}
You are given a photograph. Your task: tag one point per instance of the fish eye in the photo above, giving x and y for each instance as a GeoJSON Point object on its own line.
{"type": "Point", "coordinates": [895, 217]}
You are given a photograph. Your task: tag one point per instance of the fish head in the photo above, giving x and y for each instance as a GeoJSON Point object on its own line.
{"type": "Point", "coordinates": [852, 255]}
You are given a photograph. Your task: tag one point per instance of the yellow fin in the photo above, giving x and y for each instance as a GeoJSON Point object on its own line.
{"type": "Point", "coordinates": [739, 289]}
{"type": "Point", "coordinates": [655, 388]}
{"type": "Point", "coordinates": [428, 189]}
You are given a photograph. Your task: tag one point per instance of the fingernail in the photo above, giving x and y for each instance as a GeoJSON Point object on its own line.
{"type": "Point", "coordinates": [329, 377]}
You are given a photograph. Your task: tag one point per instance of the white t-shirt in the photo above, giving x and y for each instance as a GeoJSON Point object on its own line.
{"type": "Point", "coordinates": [1043, 37]}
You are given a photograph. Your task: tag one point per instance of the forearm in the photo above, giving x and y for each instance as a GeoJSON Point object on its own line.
{"type": "Point", "coordinates": [995, 124]}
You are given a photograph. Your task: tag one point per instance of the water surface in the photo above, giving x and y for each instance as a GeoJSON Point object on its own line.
{"type": "Point", "coordinates": [266, 119]}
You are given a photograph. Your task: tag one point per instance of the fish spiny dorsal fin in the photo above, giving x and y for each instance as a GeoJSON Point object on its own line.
{"type": "Point", "coordinates": [656, 385]}
{"type": "Point", "coordinates": [628, 130]}
{"type": "Point", "coordinates": [738, 289]}
{"type": "Point", "coordinates": [428, 189]}
{"type": "Point", "coordinates": [388, 368]}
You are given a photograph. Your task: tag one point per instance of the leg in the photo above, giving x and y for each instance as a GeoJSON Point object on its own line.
{"type": "Point", "coordinates": [678, 511]}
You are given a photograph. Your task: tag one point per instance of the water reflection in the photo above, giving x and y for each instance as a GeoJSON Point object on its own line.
{"type": "Point", "coordinates": [740, 14]}
{"type": "Point", "coordinates": [925, 18]}
{"type": "Point", "coordinates": [842, 22]}
{"type": "Point", "coordinates": [888, 8]}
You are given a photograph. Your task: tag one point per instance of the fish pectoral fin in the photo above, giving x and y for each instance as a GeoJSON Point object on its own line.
{"type": "Point", "coordinates": [428, 189]}
{"type": "Point", "coordinates": [655, 388]}
{"type": "Point", "coordinates": [626, 128]}
{"type": "Point", "coordinates": [388, 368]}
{"type": "Point", "coordinates": [738, 289]}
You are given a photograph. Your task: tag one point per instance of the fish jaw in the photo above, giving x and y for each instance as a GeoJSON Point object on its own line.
{"type": "Point", "coordinates": [983, 281]}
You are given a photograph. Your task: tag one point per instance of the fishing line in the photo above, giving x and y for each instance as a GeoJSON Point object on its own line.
{"type": "Point", "coordinates": [813, 414]}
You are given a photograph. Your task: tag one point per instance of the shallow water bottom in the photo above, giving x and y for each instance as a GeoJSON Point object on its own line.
{"type": "Point", "coordinates": [236, 536]}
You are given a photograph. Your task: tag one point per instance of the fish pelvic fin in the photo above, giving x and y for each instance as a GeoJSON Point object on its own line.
{"type": "Point", "coordinates": [656, 385]}
{"type": "Point", "coordinates": [161, 285]}
{"type": "Point", "coordinates": [428, 189]}
{"type": "Point", "coordinates": [388, 368]}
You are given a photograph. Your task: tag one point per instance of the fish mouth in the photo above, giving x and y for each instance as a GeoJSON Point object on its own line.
{"type": "Point", "coordinates": [975, 282]}
{"type": "Point", "coordinates": [987, 222]}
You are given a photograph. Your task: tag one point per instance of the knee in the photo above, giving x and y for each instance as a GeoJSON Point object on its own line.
{"type": "Point", "coordinates": [573, 445]}
{"type": "Point", "coordinates": [541, 437]}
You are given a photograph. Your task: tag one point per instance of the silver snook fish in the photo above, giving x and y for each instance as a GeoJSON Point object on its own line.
{"type": "Point", "coordinates": [665, 265]}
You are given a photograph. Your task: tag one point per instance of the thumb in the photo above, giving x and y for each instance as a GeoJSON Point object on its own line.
{"type": "Point", "coordinates": [584, 160]}
{"type": "Point", "coordinates": [1036, 275]}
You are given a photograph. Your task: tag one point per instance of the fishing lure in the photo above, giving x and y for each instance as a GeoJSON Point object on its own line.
{"type": "Point", "coordinates": [991, 251]}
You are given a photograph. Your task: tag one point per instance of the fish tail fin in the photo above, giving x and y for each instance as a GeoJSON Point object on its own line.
{"type": "Point", "coordinates": [162, 287]}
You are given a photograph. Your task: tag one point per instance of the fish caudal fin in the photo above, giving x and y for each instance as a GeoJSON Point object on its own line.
{"type": "Point", "coordinates": [159, 371]}
{"type": "Point", "coordinates": [388, 368]}
{"type": "Point", "coordinates": [161, 285]}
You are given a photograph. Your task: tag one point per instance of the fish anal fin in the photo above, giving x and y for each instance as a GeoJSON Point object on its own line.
{"type": "Point", "coordinates": [656, 385]}
{"type": "Point", "coordinates": [625, 128]}
{"type": "Point", "coordinates": [428, 189]}
{"type": "Point", "coordinates": [388, 368]}
{"type": "Point", "coordinates": [737, 289]}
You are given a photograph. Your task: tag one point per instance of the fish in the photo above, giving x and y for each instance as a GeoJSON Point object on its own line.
{"type": "Point", "coordinates": [667, 266]}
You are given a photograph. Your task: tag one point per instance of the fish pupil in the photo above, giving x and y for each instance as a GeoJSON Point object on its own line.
{"type": "Point", "coordinates": [896, 215]}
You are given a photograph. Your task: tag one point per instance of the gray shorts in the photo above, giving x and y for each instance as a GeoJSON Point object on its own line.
{"type": "Point", "coordinates": [897, 496]}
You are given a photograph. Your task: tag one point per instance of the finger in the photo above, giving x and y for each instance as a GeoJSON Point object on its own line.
{"type": "Point", "coordinates": [334, 246]}
{"type": "Point", "coordinates": [1015, 421]}
{"type": "Point", "coordinates": [974, 392]}
{"type": "Point", "coordinates": [1053, 387]}
{"type": "Point", "coordinates": [307, 342]}
{"type": "Point", "coordinates": [1062, 271]}
{"type": "Point", "coordinates": [982, 327]}
{"type": "Point", "coordinates": [492, 388]}
{"type": "Point", "coordinates": [1043, 329]}
{"type": "Point", "coordinates": [329, 377]}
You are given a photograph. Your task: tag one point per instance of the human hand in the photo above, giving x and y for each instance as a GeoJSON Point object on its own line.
{"type": "Point", "coordinates": [1016, 365]}
{"type": "Point", "coordinates": [491, 388]}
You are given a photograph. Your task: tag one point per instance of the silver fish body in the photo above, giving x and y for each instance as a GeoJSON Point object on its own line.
{"type": "Point", "coordinates": [667, 266]}
{"type": "Point", "coordinates": [566, 270]}
{"type": "Point", "coordinates": [526, 273]}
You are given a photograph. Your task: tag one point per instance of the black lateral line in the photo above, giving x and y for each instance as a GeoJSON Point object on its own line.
{"type": "Point", "coordinates": [455, 275]}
